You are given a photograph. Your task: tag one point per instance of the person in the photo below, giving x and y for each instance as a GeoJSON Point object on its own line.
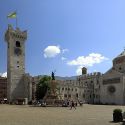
{"type": "Point", "coordinates": [53, 76]}
{"type": "Point", "coordinates": [72, 105]}
{"type": "Point", "coordinates": [76, 104]}
{"type": "Point", "coordinates": [80, 102]}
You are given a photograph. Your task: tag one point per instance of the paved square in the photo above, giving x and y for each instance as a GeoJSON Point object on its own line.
{"type": "Point", "coordinates": [86, 115]}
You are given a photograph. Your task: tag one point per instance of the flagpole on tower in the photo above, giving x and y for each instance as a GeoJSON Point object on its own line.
{"type": "Point", "coordinates": [16, 20]}
{"type": "Point", "coordinates": [13, 15]}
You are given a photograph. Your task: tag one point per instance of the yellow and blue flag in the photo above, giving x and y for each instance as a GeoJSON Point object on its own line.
{"type": "Point", "coordinates": [12, 15]}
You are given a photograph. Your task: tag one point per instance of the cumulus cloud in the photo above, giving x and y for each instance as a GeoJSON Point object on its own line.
{"type": "Point", "coordinates": [63, 58]}
{"type": "Point", "coordinates": [51, 51]}
{"type": "Point", "coordinates": [87, 61]}
{"type": "Point", "coordinates": [3, 74]}
{"type": "Point", "coordinates": [79, 70]}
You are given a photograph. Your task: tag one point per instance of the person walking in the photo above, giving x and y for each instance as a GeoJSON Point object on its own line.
{"type": "Point", "coordinates": [72, 105]}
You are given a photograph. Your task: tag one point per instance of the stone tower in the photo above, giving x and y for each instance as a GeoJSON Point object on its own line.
{"type": "Point", "coordinates": [84, 70]}
{"type": "Point", "coordinates": [16, 86]}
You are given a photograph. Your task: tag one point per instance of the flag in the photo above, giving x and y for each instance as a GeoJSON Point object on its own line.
{"type": "Point", "coordinates": [12, 15]}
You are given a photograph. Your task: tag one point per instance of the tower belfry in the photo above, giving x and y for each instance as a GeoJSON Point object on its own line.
{"type": "Point", "coordinates": [16, 87]}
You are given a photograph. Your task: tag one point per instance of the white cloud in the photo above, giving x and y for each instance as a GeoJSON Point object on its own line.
{"type": "Point", "coordinates": [63, 58]}
{"type": "Point", "coordinates": [87, 61]}
{"type": "Point", "coordinates": [3, 74]}
{"type": "Point", "coordinates": [51, 51]}
{"type": "Point", "coordinates": [79, 70]}
{"type": "Point", "coordinates": [65, 50]}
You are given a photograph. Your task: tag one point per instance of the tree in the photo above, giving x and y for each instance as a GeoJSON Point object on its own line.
{"type": "Point", "coordinates": [42, 87]}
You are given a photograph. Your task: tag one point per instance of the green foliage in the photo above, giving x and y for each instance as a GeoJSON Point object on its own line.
{"type": "Point", "coordinates": [117, 111]}
{"type": "Point", "coordinates": [42, 87]}
{"type": "Point", "coordinates": [117, 115]}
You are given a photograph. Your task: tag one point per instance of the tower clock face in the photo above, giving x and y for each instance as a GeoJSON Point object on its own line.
{"type": "Point", "coordinates": [17, 51]}
{"type": "Point", "coordinates": [111, 89]}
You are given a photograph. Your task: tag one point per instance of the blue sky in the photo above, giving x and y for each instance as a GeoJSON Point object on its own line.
{"type": "Point", "coordinates": [91, 32]}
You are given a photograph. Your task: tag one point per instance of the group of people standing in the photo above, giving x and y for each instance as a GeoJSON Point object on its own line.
{"type": "Point", "coordinates": [71, 104]}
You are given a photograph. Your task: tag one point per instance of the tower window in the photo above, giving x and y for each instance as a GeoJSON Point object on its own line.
{"type": "Point", "coordinates": [17, 66]}
{"type": "Point", "coordinates": [17, 44]}
{"type": "Point", "coordinates": [120, 68]}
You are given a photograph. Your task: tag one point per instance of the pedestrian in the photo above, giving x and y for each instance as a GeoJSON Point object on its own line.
{"type": "Point", "coordinates": [72, 105]}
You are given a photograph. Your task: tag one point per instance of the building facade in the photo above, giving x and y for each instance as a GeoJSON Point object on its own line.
{"type": "Point", "coordinates": [70, 89]}
{"type": "Point", "coordinates": [93, 88]}
{"type": "Point", "coordinates": [112, 90]}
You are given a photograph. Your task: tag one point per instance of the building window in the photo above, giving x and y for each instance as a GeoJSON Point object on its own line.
{"type": "Point", "coordinates": [65, 95]}
{"type": "Point", "coordinates": [68, 89]}
{"type": "Point", "coordinates": [120, 68]}
{"type": "Point", "coordinates": [65, 88]}
{"type": "Point", "coordinates": [90, 96]}
{"type": "Point", "coordinates": [72, 89]}
{"type": "Point", "coordinates": [91, 81]}
{"type": "Point", "coordinates": [69, 96]}
{"type": "Point", "coordinates": [83, 95]}
{"type": "Point", "coordinates": [76, 90]}
{"type": "Point", "coordinates": [17, 44]}
{"type": "Point", "coordinates": [77, 95]}
{"type": "Point", "coordinates": [62, 88]}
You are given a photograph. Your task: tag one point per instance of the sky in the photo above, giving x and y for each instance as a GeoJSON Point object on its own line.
{"type": "Point", "coordinates": [66, 35]}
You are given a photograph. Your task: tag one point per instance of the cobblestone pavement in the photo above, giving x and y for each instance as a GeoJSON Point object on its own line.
{"type": "Point", "coordinates": [86, 115]}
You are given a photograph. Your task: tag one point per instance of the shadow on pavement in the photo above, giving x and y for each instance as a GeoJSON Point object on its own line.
{"type": "Point", "coordinates": [120, 123]}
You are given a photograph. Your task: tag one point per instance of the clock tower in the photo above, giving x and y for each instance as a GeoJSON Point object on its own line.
{"type": "Point", "coordinates": [16, 86]}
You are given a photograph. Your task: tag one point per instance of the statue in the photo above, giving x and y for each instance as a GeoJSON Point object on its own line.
{"type": "Point", "coordinates": [53, 76]}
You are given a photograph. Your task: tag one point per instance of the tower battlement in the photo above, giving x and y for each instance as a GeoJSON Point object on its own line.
{"type": "Point", "coordinates": [85, 76]}
{"type": "Point", "coordinates": [15, 34]}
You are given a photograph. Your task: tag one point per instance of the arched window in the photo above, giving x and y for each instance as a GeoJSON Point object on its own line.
{"type": "Point", "coordinates": [77, 95]}
{"type": "Point", "coordinates": [18, 44]}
